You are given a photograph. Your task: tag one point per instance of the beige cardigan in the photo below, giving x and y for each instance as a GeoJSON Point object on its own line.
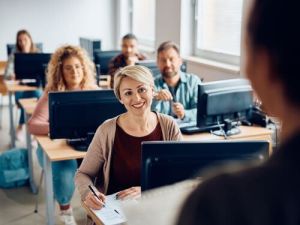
{"type": "Point", "coordinates": [96, 163]}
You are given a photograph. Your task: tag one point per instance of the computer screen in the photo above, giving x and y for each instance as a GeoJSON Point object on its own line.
{"type": "Point", "coordinates": [77, 114]}
{"type": "Point", "coordinates": [91, 45]}
{"type": "Point", "coordinates": [102, 58]}
{"type": "Point", "coordinates": [222, 105]}
{"type": "Point", "coordinates": [12, 47]}
{"type": "Point", "coordinates": [32, 66]}
{"type": "Point", "coordinates": [223, 100]}
{"type": "Point", "coordinates": [165, 163]}
{"type": "Point", "coordinates": [152, 65]}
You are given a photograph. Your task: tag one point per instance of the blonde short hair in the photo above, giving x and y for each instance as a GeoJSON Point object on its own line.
{"type": "Point", "coordinates": [139, 73]}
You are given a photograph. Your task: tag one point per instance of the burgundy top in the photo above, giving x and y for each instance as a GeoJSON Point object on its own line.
{"type": "Point", "coordinates": [126, 159]}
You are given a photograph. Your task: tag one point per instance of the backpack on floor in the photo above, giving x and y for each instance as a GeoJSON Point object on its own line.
{"type": "Point", "coordinates": [14, 168]}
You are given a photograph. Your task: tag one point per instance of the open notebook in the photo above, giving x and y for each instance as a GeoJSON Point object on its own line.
{"type": "Point", "coordinates": [158, 206]}
{"type": "Point", "coordinates": [112, 213]}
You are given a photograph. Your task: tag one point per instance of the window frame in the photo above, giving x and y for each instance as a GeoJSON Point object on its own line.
{"type": "Point", "coordinates": [212, 55]}
{"type": "Point", "coordinates": [142, 41]}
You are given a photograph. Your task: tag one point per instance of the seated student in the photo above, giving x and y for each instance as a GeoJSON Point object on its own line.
{"type": "Point", "coordinates": [24, 44]}
{"type": "Point", "coordinates": [114, 155]}
{"type": "Point", "coordinates": [69, 69]}
{"type": "Point", "coordinates": [177, 92]}
{"type": "Point", "coordinates": [129, 56]}
{"type": "Point", "coordinates": [270, 193]}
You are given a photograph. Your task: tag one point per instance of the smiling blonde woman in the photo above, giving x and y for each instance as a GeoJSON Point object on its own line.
{"type": "Point", "coordinates": [114, 155]}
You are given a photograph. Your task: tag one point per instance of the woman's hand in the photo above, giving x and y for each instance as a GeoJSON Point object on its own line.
{"type": "Point", "coordinates": [133, 193]}
{"type": "Point", "coordinates": [93, 202]}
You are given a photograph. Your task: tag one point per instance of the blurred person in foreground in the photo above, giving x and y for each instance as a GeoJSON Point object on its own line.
{"type": "Point", "coordinates": [269, 193]}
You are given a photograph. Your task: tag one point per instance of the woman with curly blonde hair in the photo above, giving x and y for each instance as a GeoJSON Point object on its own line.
{"type": "Point", "coordinates": [55, 76]}
{"type": "Point", "coordinates": [69, 69]}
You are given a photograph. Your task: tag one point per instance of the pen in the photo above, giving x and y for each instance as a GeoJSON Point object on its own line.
{"type": "Point", "coordinates": [116, 211]}
{"type": "Point", "coordinates": [92, 190]}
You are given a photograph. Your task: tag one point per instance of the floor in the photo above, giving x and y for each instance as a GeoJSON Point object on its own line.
{"type": "Point", "coordinates": [18, 204]}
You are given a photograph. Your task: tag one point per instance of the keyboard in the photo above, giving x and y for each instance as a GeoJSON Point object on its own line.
{"type": "Point", "coordinates": [195, 129]}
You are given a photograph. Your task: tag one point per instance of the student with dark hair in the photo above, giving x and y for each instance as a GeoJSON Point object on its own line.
{"type": "Point", "coordinates": [24, 44]}
{"type": "Point", "coordinates": [269, 193]}
{"type": "Point", "coordinates": [129, 56]}
{"type": "Point", "coordinates": [177, 91]}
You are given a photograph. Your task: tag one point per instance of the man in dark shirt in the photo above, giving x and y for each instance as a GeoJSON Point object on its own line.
{"type": "Point", "coordinates": [270, 193]}
{"type": "Point", "coordinates": [129, 56]}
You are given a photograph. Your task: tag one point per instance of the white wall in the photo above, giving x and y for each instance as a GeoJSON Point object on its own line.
{"type": "Point", "coordinates": [57, 22]}
{"type": "Point", "coordinates": [167, 23]}
{"type": "Point", "coordinates": [174, 20]}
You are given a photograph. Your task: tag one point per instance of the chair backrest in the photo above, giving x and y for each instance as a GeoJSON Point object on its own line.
{"type": "Point", "coordinates": [12, 47]}
{"type": "Point", "coordinates": [103, 58]}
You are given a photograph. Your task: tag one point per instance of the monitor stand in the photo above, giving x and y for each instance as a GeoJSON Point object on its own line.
{"type": "Point", "coordinates": [79, 144]}
{"type": "Point", "coordinates": [224, 133]}
{"type": "Point", "coordinates": [230, 128]}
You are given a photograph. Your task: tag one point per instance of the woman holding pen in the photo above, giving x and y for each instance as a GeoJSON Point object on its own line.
{"type": "Point", "coordinates": [109, 158]}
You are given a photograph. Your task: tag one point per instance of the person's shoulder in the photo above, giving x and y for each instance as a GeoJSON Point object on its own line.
{"type": "Point", "coordinates": [191, 77]}
{"type": "Point", "coordinates": [92, 87]}
{"type": "Point", "coordinates": [166, 119]}
{"type": "Point", "coordinates": [12, 55]}
{"type": "Point", "coordinates": [119, 57]}
{"type": "Point", "coordinates": [107, 124]}
{"type": "Point", "coordinates": [239, 177]}
{"type": "Point", "coordinates": [142, 56]}
{"type": "Point", "coordinates": [158, 81]}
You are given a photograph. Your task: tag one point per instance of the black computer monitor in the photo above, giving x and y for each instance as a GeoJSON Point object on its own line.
{"type": "Point", "coordinates": [165, 163]}
{"type": "Point", "coordinates": [91, 45]}
{"type": "Point", "coordinates": [152, 65]}
{"type": "Point", "coordinates": [75, 115]}
{"type": "Point", "coordinates": [12, 47]}
{"type": "Point", "coordinates": [222, 105]}
{"type": "Point", "coordinates": [32, 66]}
{"type": "Point", "coordinates": [102, 58]}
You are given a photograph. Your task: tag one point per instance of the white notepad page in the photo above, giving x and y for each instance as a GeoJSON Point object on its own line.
{"type": "Point", "coordinates": [112, 213]}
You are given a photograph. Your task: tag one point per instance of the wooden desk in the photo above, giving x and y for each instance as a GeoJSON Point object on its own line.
{"type": "Point", "coordinates": [13, 87]}
{"type": "Point", "coordinates": [2, 67]}
{"type": "Point", "coordinates": [3, 88]}
{"type": "Point", "coordinates": [247, 134]}
{"type": "Point", "coordinates": [54, 150]}
{"type": "Point", "coordinates": [29, 105]}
